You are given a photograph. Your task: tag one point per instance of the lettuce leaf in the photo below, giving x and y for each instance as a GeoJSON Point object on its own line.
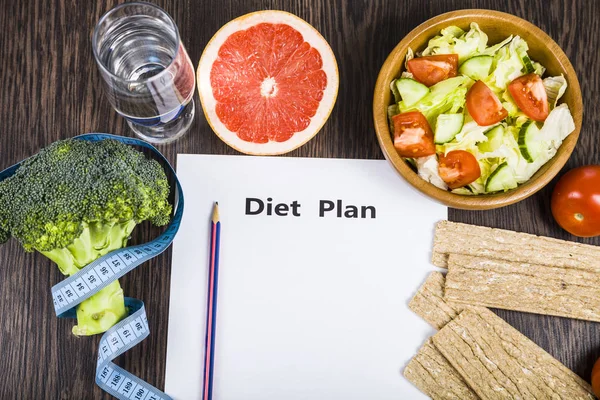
{"type": "Point", "coordinates": [453, 40]}
{"type": "Point", "coordinates": [507, 65]}
{"type": "Point", "coordinates": [538, 68]}
{"type": "Point", "coordinates": [467, 138]}
{"type": "Point", "coordinates": [492, 50]}
{"type": "Point", "coordinates": [514, 113]}
{"type": "Point", "coordinates": [555, 88]}
{"type": "Point", "coordinates": [427, 168]}
{"type": "Point", "coordinates": [409, 56]}
{"type": "Point", "coordinates": [557, 126]}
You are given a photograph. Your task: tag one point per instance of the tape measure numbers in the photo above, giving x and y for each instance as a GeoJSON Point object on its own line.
{"type": "Point", "coordinates": [96, 276]}
{"type": "Point", "coordinates": [116, 341]}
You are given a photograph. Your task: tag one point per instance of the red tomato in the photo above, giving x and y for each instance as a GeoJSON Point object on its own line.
{"type": "Point", "coordinates": [412, 135]}
{"type": "Point", "coordinates": [484, 106]}
{"type": "Point", "coordinates": [430, 70]}
{"type": "Point", "coordinates": [596, 378]}
{"type": "Point", "coordinates": [530, 95]}
{"type": "Point", "coordinates": [458, 168]}
{"type": "Point", "coordinates": [576, 201]}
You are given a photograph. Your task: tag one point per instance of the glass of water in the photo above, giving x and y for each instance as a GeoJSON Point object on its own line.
{"type": "Point", "coordinates": [147, 73]}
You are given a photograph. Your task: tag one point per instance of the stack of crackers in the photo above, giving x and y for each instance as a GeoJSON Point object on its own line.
{"type": "Point", "coordinates": [476, 354]}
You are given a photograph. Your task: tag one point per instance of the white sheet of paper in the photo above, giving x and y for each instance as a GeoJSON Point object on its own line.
{"type": "Point", "coordinates": [309, 307]}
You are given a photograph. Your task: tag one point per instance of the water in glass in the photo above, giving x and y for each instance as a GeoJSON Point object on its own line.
{"type": "Point", "coordinates": [149, 78]}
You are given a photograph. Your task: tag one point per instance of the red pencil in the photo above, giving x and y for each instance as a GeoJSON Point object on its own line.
{"type": "Point", "coordinates": [211, 304]}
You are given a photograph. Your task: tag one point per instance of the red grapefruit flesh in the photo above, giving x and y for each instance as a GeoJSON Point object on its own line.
{"type": "Point", "coordinates": [268, 82]}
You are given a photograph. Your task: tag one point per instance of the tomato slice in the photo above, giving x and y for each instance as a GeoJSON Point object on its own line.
{"type": "Point", "coordinates": [484, 106]}
{"type": "Point", "coordinates": [458, 168]}
{"type": "Point", "coordinates": [530, 95]}
{"type": "Point", "coordinates": [412, 135]}
{"type": "Point", "coordinates": [430, 70]}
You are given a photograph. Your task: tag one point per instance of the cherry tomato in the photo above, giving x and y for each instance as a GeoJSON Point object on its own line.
{"type": "Point", "coordinates": [576, 201]}
{"type": "Point", "coordinates": [458, 168]}
{"type": "Point", "coordinates": [596, 378]}
{"type": "Point", "coordinates": [484, 106]}
{"type": "Point", "coordinates": [530, 95]}
{"type": "Point", "coordinates": [430, 70]}
{"type": "Point", "coordinates": [412, 135]}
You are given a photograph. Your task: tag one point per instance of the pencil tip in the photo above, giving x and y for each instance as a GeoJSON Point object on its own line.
{"type": "Point", "coordinates": [215, 216]}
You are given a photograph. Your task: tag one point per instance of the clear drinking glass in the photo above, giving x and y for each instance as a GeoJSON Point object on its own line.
{"type": "Point", "coordinates": [148, 76]}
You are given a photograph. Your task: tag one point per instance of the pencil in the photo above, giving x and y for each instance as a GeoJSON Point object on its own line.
{"type": "Point", "coordinates": [211, 304]}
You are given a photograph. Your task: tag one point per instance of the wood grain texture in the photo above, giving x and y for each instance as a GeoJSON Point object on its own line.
{"type": "Point", "coordinates": [50, 89]}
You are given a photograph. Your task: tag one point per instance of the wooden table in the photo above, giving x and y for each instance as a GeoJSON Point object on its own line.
{"type": "Point", "coordinates": [50, 89]}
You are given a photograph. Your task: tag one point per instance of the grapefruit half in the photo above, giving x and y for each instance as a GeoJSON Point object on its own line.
{"type": "Point", "coordinates": [267, 82]}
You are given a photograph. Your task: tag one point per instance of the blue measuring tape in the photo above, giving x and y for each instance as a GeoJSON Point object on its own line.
{"type": "Point", "coordinates": [100, 273]}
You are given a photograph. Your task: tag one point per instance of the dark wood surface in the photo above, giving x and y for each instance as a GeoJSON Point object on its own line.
{"type": "Point", "coordinates": [50, 89]}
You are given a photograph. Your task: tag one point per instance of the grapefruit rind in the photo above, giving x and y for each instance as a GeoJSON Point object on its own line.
{"type": "Point", "coordinates": [312, 37]}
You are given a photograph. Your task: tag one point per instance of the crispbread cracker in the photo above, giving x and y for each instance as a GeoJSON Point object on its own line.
{"type": "Point", "coordinates": [429, 304]}
{"type": "Point", "coordinates": [472, 240]}
{"type": "Point", "coordinates": [432, 374]}
{"type": "Point", "coordinates": [428, 370]}
{"type": "Point", "coordinates": [565, 292]}
{"type": "Point", "coordinates": [498, 362]}
{"type": "Point", "coordinates": [439, 259]}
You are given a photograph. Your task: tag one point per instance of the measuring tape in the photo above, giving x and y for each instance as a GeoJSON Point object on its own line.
{"type": "Point", "coordinates": [103, 271]}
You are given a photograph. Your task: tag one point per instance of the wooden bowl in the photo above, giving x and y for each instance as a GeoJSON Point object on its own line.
{"type": "Point", "coordinates": [497, 26]}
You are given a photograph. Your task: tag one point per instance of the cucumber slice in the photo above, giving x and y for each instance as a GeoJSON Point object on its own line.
{"type": "Point", "coordinates": [477, 67]}
{"type": "Point", "coordinates": [526, 61]}
{"type": "Point", "coordinates": [495, 139]}
{"type": "Point", "coordinates": [411, 91]}
{"type": "Point", "coordinates": [465, 191]}
{"type": "Point", "coordinates": [447, 127]}
{"type": "Point", "coordinates": [530, 145]}
{"type": "Point", "coordinates": [528, 64]}
{"type": "Point", "coordinates": [411, 162]}
{"type": "Point", "coordinates": [502, 178]}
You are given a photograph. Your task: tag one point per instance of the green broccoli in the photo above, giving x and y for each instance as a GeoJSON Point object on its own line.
{"type": "Point", "coordinates": [76, 201]}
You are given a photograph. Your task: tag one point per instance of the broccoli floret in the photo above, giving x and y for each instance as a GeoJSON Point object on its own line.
{"type": "Point", "coordinates": [76, 201]}
{"type": "Point", "coordinates": [4, 236]}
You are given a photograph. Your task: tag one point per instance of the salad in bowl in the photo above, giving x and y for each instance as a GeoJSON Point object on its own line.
{"type": "Point", "coordinates": [474, 118]}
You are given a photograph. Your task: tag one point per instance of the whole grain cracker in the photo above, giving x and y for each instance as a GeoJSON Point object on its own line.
{"type": "Point", "coordinates": [457, 238]}
{"type": "Point", "coordinates": [428, 370]}
{"type": "Point", "coordinates": [565, 292]}
{"type": "Point", "coordinates": [498, 362]}
{"type": "Point", "coordinates": [429, 303]}
{"type": "Point", "coordinates": [431, 373]}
